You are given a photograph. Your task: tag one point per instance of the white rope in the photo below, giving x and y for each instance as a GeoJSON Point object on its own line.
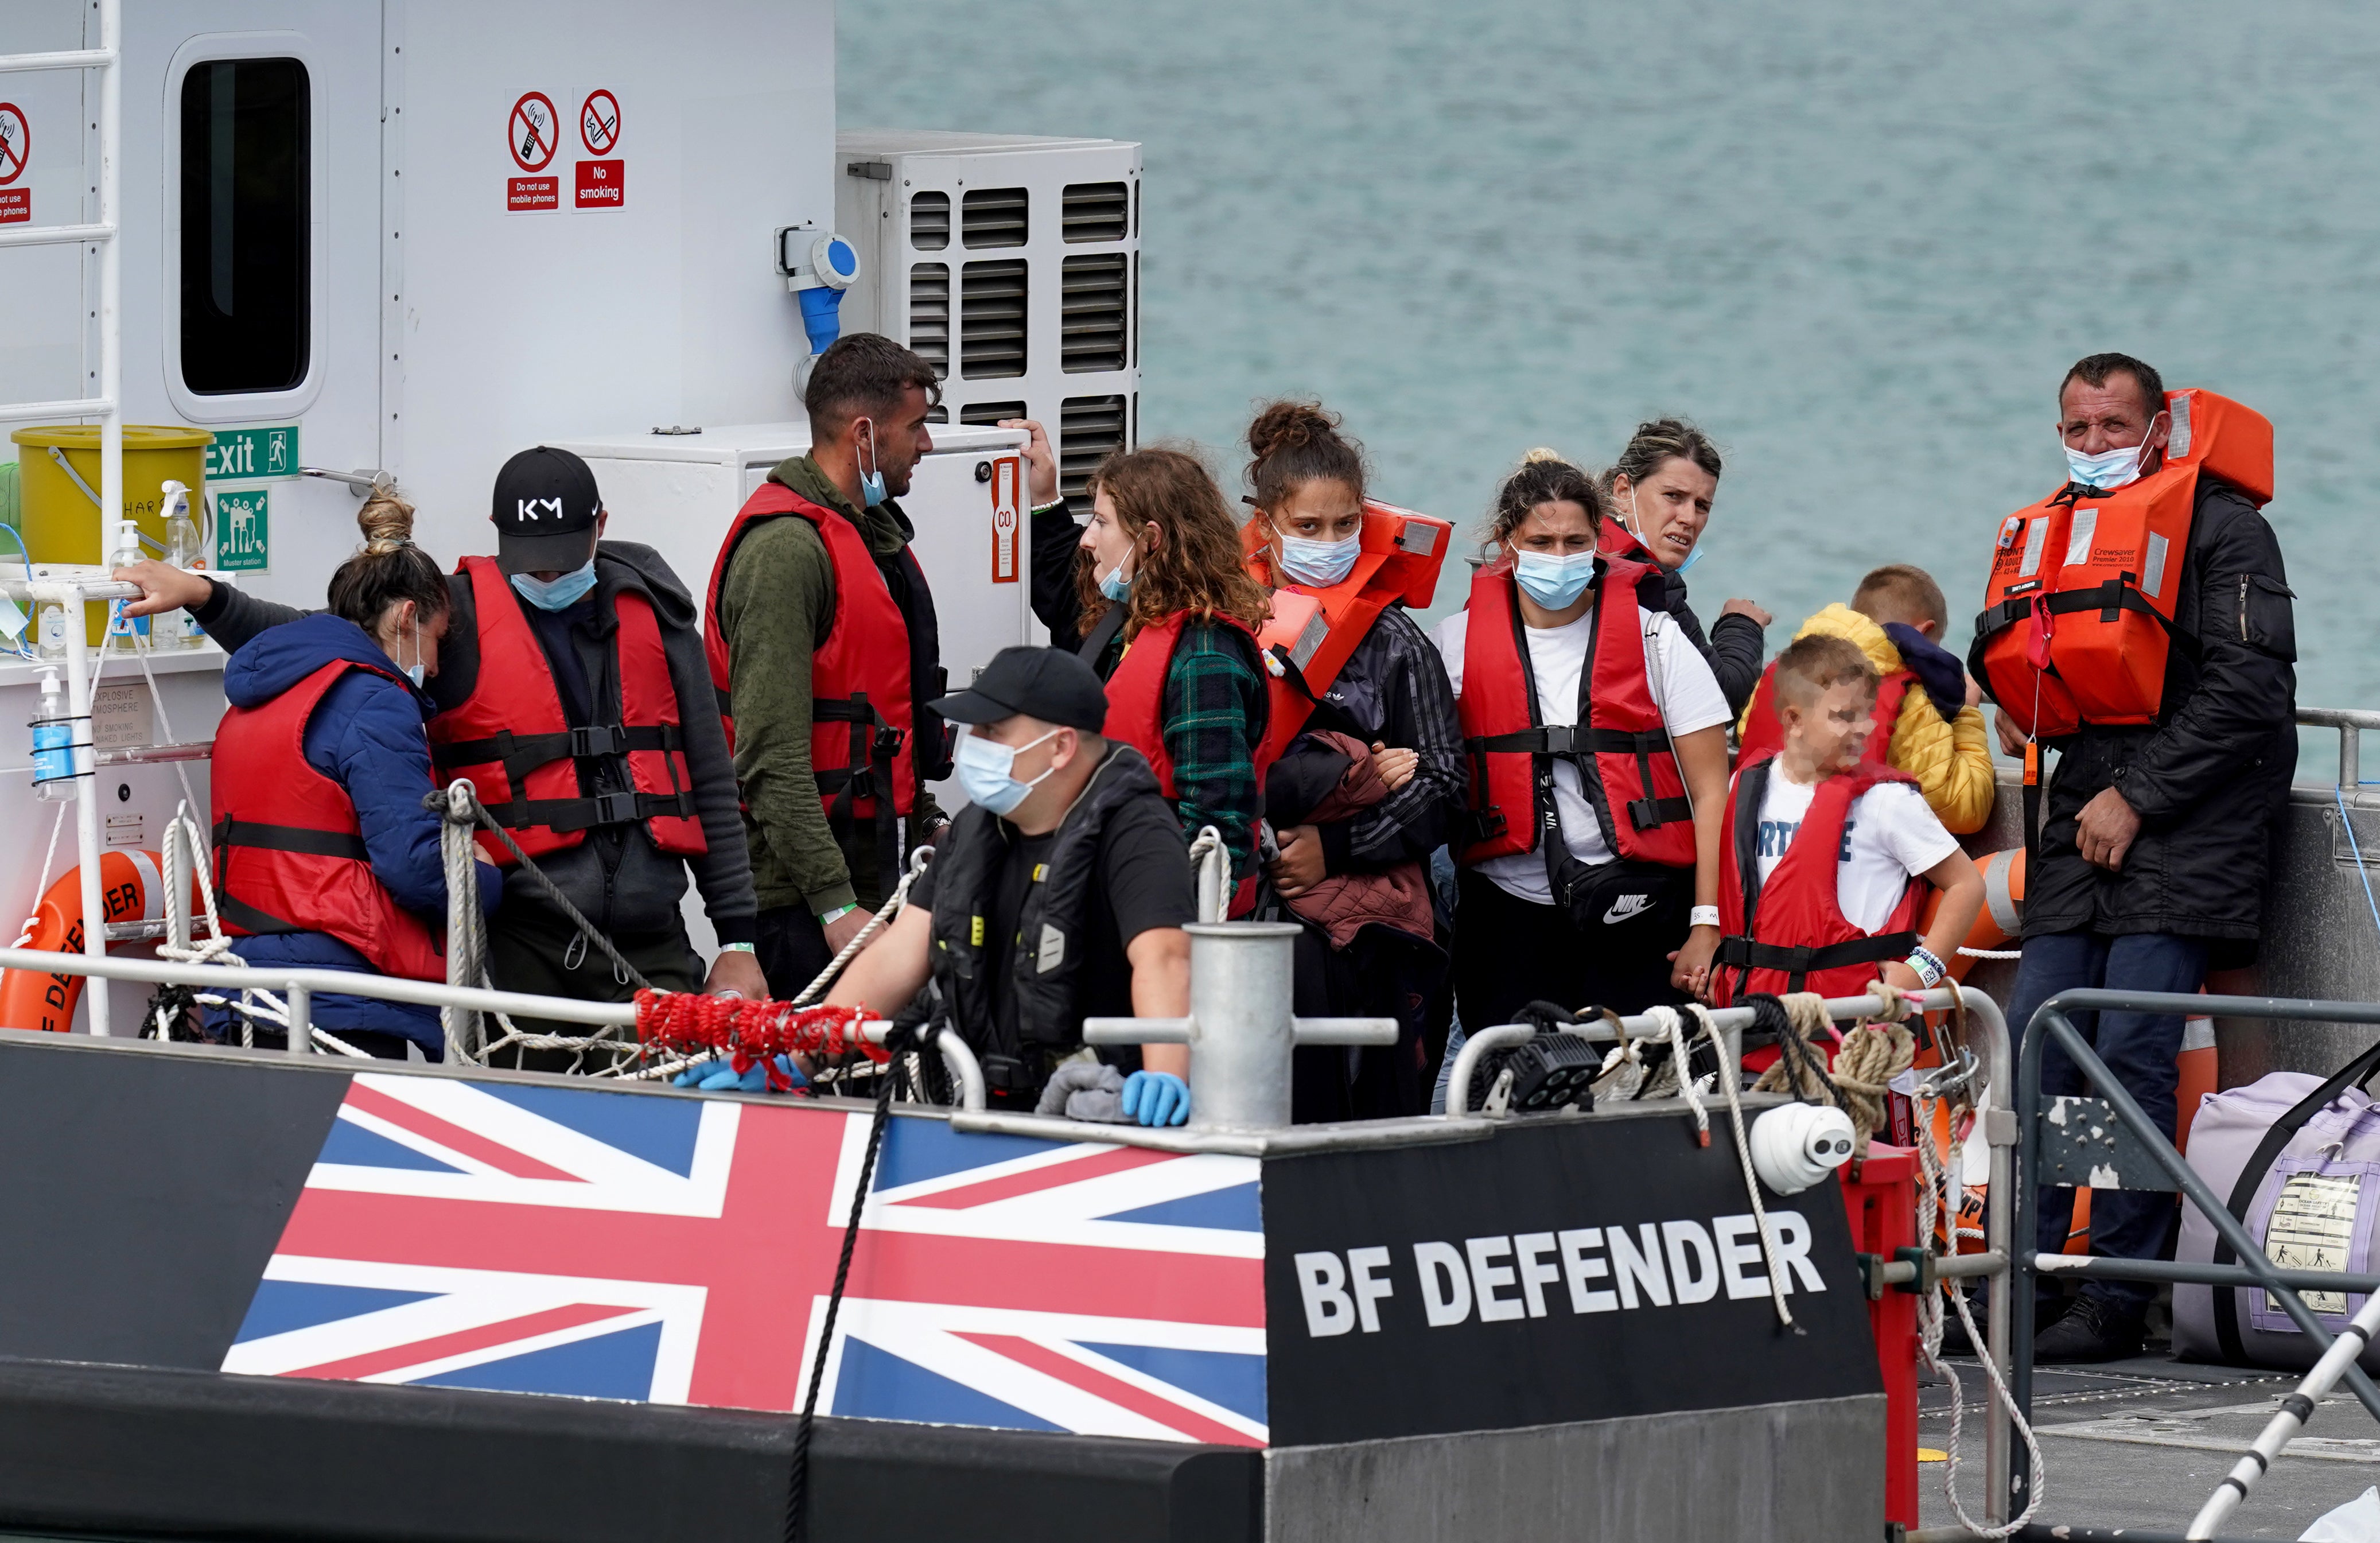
{"type": "Point", "coordinates": [1673, 1029]}
{"type": "Point", "coordinates": [33, 912]}
{"type": "Point", "coordinates": [1728, 1078]}
{"type": "Point", "coordinates": [1967, 953]}
{"type": "Point", "coordinates": [467, 933]}
{"type": "Point", "coordinates": [1929, 1339]}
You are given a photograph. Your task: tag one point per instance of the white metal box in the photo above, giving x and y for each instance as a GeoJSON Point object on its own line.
{"type": "Point", "coordinates": [1013, 264]}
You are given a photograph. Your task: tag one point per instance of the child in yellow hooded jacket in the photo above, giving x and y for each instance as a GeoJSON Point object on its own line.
{"type": "Point", "coordinates": [1897, 616]}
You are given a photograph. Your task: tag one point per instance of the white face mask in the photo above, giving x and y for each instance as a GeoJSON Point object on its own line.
{"type": "Point", "coordinates": [2108, 469]}
{"type": "Point", "coordinates": [1320, 563]}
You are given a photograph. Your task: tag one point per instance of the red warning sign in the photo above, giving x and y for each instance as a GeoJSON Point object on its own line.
{"type": "Point", "coordinates": [598, 122]}
{"type": "Point", "coordinates": [16, 205]}
{"type": "Point", "coordinates": [16, 142]}
{"type": "Point", "coordinates": [1006, 472]}
{"type": "Point", "coordinates": [530, 195]}
{"type": "Point", "coordinates": [532, 133]}
{"type": "Point", "coordinates": [602, 184]}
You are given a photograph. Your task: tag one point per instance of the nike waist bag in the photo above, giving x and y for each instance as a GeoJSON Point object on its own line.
{"type": "Point", "coordinates": [1627, 904]}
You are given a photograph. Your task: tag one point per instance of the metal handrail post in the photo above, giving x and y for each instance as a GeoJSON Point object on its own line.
{"type": "Point", "coordinates": [299, 1000]}
{"type": "Point", "coordinates": [86, 790]}
{"type": "Point", "coordinates": [1993, 1109]}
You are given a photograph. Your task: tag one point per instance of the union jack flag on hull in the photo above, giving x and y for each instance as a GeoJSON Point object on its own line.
{"type": "Point", "coordinates": [607, 1244]}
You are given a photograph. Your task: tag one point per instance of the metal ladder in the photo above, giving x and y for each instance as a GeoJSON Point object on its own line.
{"type": "Point", "coordinates": [108, 407]}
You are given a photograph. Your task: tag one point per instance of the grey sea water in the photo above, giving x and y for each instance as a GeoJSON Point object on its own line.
{"type": "Point", "coordinates": [1859, 241]}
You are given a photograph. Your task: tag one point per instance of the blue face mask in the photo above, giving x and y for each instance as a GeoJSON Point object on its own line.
{"type": "Point", "coordinates": [558, 594]}
{"type": "Point", "coordinates": [1116, 583]}
{"type": "Point", "coordinates": [1320, 563]}
{"type": "Point", "coordinates": [871, 481]}
{"type": "Point", "coordinates": [986, 769]}
{"type": "Point", "coordinates": [1554, 582]}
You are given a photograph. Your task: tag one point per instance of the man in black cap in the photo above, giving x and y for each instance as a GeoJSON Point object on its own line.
{"type": "Point", "coordinates": [573, 692]}
{"type": "Point", "coordinates": [1059, 893]}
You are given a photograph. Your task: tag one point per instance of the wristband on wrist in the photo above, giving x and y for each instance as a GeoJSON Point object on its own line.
{"type": "Point", "coordinates": [1703, 915]}
{"type": "Point", "coordinates": [737, 948]}
{"type": "Point", "coordinates": [1053, 503]}
{"type": "Point", "coordinates": [830, 917]}
{"type": "Point", "coordinates": [1928, 965]}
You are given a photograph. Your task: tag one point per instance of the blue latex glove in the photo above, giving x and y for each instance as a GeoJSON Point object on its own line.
{"type": "Point", "coordinates": [719, 1077]}
{"type": "Point", "coordinates": [1156, 1099]}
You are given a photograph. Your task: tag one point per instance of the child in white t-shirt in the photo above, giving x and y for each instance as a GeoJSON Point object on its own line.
{"type": "Point", "coordinates": [1882, 832]}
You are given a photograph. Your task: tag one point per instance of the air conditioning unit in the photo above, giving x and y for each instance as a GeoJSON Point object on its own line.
{"type": "Point", "coordinates": [1013, 264]}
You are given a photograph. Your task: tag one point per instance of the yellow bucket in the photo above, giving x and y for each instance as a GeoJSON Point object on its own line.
{"type": "Point", "coordinates": [60, 522]}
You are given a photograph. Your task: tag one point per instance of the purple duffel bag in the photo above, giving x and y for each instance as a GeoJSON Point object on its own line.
{"type": "Point", "coordinates": [2298, 1159]}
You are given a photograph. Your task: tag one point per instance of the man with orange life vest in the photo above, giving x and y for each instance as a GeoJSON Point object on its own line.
{"type": "Point", "coordinates": [1369, 776]}
{"type": "Point", "coordinates": [1598, 740]}
{"type": "Point", "coordinates": [573, 694]}
{"type": "Point", "coordinates": [824, 650]}
{"type": "Point", "coordinates": [1827, 851]}
{"type": "Point", "coordinates": [2140, 627]}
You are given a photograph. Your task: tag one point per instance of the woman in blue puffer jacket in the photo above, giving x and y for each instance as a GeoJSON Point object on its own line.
{"type": "Point", "coordinates": [325, 858]}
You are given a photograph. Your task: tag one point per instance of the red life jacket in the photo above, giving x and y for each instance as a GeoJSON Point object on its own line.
{"type": "Point", "coordinates": [1615, 540]}
{"type": "Point", "coordinates": [1621, 747]}
{"type": "Point", "coordinates": [862, 711]}
{"type": "Point", "coordinates": [1791, 934]}
{"type": "Point", "coordinates": [512, 739]}
{"type": "Point", "coordinates": [1398, 558]}
{"type": "Point", "coordinates": [1136, 713]}
{"type": "Point", "coordinates": [2078, 618]}
{"type": "Point", "coordinates": [289, 854]}
{"type": "Point", "coordinates": [1764, 733]}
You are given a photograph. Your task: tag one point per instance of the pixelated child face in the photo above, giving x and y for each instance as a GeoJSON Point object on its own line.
{"type": "Point", "coordinates": [1834, 729]}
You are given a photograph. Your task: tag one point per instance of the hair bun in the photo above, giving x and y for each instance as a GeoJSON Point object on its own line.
{"type": "Point", "coordinates": [386, 521]}
{"type": "Point", "coordinates": [1542, 454]}
{"type": "Point", "coordinates": [1288, 425]}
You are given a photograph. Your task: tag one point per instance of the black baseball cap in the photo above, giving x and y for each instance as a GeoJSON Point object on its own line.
{"type": "Point", "coordinates": [545, 508]}
{"type": "Point", "coordinates": [1049, 684]}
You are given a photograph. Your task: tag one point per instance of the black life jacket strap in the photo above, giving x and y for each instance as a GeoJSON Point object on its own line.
{"type": "Point", "coordinates": [1798, 964]}
{"type": "Point", "coordinates": [1572, 740]}
{"type": "Point", "coordinates": [304, 840]}
{"type": "Point", "coordinates": [866, 773]}
{"type": "Point", "coordinates": [536, 749]}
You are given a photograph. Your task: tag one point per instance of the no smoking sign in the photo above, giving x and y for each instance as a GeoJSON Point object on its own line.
{"type": "Point", "coordinates": [601, 183]}
{"type": "Point", "coordinates": [533, 136]}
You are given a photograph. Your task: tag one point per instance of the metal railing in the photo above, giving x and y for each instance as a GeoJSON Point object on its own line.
{"type": "Point", "coordinates": [299, 986]}
{"type": "Point", "coordinates": [2053, 1023]}
{"type": "Point", "coordinates": [2350, 721]}
{"type": "Point", "coordinates": [108, 407]}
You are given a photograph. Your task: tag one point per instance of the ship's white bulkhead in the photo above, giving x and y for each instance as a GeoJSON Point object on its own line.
{"type": "Point", "coordinates": [416, 236]}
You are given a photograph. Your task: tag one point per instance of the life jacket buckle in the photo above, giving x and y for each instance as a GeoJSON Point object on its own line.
{"type": "Point", "coordinates": [888, 741]}
{"type": "Point", "coordinates": [616, 808]}
{"type": "Point", "coordinates": [599, 739]}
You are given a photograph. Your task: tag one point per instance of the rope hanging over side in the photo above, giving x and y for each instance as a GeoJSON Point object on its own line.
{"type": "Point", "coordinates": [1930, 1199]}
{"type": "Point", "coordinates": [1871, 1055]}
{"type": "Point", "coordinates": [1728, 1080]}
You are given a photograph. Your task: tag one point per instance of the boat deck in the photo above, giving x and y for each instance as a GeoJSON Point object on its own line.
{"type": "Point", "coordinates": [2143, 1442]}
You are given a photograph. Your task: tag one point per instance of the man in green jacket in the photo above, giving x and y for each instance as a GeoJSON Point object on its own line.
{"type": "Point", "coordinates": [816, 586]}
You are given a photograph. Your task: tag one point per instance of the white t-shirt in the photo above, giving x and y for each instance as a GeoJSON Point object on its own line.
{"type": "Point", "coordinates": [1684, 686]}
{"type": "Point", "coordinates": [1888, 835]}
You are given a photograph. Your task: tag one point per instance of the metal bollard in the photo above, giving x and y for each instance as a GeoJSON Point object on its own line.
{"type": "Point", "coordinates": [1240, 1029]}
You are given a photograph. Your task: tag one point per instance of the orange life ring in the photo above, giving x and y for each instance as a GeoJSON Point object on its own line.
{"type": "Point", "coordinates": [2002, 917]}
{"type": "Point", "coordinates": [131, 888]}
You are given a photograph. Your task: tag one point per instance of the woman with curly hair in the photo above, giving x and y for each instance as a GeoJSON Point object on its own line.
{"type": "Point", "coordinates": [1170, 619]}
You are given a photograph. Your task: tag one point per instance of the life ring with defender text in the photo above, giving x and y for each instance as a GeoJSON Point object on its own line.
{"type": "Point", "coordinates": [131, 888]}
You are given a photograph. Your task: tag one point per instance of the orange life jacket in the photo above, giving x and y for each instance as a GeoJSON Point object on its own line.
{"type": "Point", "coordinates": [2078, 617]}
{"type": "Point", "coordinates": [1620, 746]}
{"type": "Point", "coordinates": [1398, 559]}
{"type": "Point", "coordinates": [862, 710]}
{"type": "Point", "coordinates": [1764, 732]}
{"type": "Point", "coordinates": [289, 853]}
{"type": "Point", "coordinates": [512, 739]}
{"type": "Point", "coordinates": [1790, 934]}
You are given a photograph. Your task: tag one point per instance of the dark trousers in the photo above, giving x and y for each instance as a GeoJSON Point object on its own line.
{"type": "Point", "coordinates": [2141, 1049]}
{"type": "Point", "coordinates": [535, 950]}
{"type": "Point", "coordinates": [1382, 973]}
{"type": "Point", "coordinates": [1510, 952]}
{"type": "Point", "coordinates": [791, 949]}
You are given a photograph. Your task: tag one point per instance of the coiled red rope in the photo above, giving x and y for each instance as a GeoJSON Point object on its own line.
{"type": "Point", "coordinates": [749, 1030]}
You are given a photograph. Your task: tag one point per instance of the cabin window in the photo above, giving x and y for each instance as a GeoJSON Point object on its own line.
{"type": "Point", "coordinates": [246, 193]}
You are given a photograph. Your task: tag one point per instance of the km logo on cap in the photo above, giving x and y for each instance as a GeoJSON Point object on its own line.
{"type": "Point", "coordinates": [529, 507]}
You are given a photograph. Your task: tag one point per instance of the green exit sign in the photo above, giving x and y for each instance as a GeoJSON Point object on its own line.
{"type": "Point", "coordinates": [241, 455]}
{"type": "Point", "coordinates": [243, 530]}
